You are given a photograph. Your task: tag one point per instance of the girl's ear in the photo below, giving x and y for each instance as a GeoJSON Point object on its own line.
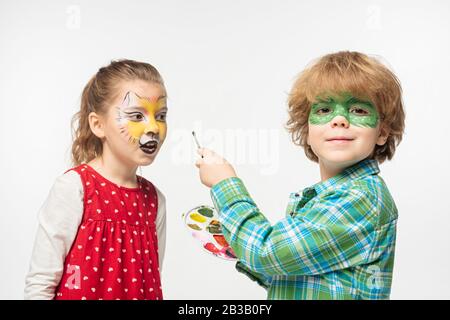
{"type": "Point", "coordinates": [96, 125]}
{"type": "Point", "coordinates": [383, 136]}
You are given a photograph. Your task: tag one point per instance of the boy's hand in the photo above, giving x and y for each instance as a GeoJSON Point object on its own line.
{"type": "Point", "coordinates": [213, 168]}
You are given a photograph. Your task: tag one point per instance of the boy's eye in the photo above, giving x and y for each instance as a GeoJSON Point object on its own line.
{"type": "Point", "coordinates": [323, 111]}
{"type": "Point", "coordinates": [359, 111]}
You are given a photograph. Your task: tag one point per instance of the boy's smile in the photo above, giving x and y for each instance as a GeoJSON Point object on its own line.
{"type": "Point", "coordinates": [343, 130]}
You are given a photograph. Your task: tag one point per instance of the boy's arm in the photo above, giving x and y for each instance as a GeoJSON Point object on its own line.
{"type": "Point", "coordinates": [335, 233]}
{"type": "Point", "coordinates": [262, 280]}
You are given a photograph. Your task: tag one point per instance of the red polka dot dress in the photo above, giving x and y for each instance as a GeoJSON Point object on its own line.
{"type": "Point", "coordinates": [115, 252]}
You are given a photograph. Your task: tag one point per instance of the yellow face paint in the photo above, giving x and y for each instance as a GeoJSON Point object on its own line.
{"type": "Point", "coordinates": [143, 121]}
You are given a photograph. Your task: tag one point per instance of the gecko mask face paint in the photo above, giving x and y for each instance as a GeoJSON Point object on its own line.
{"type": "Point", "coordinates": [358, 112]}
{"type": "Point", "coordinates": [142, 121]}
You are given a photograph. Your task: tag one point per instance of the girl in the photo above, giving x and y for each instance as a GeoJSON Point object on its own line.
{"type": "Point", "coordinates": [102, 228]}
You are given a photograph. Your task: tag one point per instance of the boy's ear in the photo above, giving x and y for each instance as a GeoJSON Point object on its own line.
{"type": "Point", "coordinates": [96, 125]}
{"type": "Point", "coordinates": [383, 136]}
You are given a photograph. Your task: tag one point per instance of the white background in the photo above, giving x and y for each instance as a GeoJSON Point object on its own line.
{"type": "Point", "coordinates": [228, 66]}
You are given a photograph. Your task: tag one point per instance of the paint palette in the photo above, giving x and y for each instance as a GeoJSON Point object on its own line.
{"type": "Point", "coordinates": [203, 223]}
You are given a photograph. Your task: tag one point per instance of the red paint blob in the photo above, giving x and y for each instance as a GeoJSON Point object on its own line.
{"type": "Point", "coordinates": [211, 247]}
{"type": "Point", "coordinates": [221, 240]}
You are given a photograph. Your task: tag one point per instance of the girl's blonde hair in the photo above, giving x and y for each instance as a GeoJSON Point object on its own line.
{"type": "Point", "coordinates": [348, 72]}
{"type": "Point", "coordinates": [96, 97]}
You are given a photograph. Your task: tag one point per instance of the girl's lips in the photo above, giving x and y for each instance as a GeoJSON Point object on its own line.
{"type": "Point", "coordinates": [149, 147]}
{"type": "Point", "coordinates": [148, 150]}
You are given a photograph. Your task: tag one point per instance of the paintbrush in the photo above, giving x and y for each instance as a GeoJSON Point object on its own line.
{"type": "Point", "coordinates": [196, 141]}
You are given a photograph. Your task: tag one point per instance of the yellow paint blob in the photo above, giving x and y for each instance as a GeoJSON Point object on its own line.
{"type": "Point", "coordinates": [197, 217]}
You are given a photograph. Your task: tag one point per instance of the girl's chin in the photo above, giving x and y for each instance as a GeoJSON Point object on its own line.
{"type": "Point", "coordinates": [145, 160]}
{"type": "Point", "coordinates": [141, 158]}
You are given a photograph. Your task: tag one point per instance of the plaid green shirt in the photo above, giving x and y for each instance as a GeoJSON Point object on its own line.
{"type": "Point", "coordinates": [337, 240]}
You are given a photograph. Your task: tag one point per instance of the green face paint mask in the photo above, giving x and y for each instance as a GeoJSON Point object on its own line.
{"type": "Point", "coordinates": [357, 112]}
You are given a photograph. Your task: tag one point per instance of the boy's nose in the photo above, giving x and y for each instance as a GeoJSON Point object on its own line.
{"type": "Point", "coordinates": [339, 122]}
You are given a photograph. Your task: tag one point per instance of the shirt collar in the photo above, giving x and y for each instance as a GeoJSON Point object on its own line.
{"type": "Point", "coordinates": [359, 170]}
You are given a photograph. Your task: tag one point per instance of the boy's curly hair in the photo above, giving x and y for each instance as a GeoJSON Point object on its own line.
{"type": "Point", "coordinates": [356, 73]}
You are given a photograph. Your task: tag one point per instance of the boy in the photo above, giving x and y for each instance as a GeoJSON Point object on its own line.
{"type": "Point", "coordinates": [338, 237]}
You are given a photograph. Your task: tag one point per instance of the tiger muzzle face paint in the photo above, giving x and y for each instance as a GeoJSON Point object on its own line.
{"type": "Point", "coordinates": [142, 121]}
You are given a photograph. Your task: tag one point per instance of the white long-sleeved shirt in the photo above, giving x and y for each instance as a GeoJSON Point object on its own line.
{"type": "Point", "coordinates": [59, 219]}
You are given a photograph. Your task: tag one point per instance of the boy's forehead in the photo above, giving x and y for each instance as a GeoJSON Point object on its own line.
{"type": "Point", "coordinates": [342, 96]}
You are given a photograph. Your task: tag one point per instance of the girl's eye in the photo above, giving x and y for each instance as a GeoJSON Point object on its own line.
{"type": "Point", "coordinates": [161, 117]}
{"type": "Point", "coordinates": [359, 111]}
{"type": "Point", "coordinates": [323, 111]}
{"type": "Point", "coordinates": [136, 117]}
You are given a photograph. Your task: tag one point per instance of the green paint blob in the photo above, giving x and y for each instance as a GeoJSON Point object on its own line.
{"type": "Point", "coordinates": [214, 230]}
{"type": "Point", "coordinates": [214, 227]}
{"type": "Point", "coordinates": [206, 212]}
{"type": "Point", "coordinates": [357, 112]}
